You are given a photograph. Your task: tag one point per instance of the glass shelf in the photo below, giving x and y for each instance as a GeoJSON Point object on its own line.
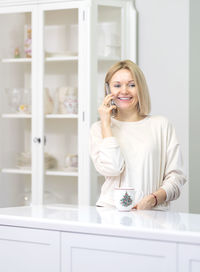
{"type": "Point", "coordinates": [48, 172]}
{"type": "Point", "coordinates": [61, 173]}
{"type": "Point", "coordinates": [61, 116]}
{"type": "Point", "coordinates": [48, 59]}
{"type": "Point", "coordinates": [16, 115]}
{"type": "Point", "coordinates": [16, 171]}
{"type": "Point", "coordinates": [16, 60]}
{"type": "Point", "coordinates": [67, 58]}
{"type": "Point", "coordinates": [109, 58]}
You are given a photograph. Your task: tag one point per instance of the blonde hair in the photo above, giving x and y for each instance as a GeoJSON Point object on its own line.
{"type": "Point", "coordinates": [144, 103]}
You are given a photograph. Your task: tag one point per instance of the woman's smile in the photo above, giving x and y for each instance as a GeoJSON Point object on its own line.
{"type": "Point", "coordinates": [121, 101]}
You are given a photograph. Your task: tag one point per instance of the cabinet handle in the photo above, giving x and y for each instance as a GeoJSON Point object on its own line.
{"type": "Point", "coordinates": [45, 140]}
{"type": "Point", "coordinates": [36, 140]}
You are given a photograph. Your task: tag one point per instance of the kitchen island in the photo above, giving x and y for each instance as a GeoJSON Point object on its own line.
{"type": "Point", "coordinates": [87, 239]}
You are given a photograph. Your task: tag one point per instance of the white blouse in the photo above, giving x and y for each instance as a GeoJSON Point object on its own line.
{"type": "Point", "coordinates": [144, 154]}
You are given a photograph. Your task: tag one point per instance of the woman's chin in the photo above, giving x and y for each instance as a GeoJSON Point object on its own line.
{"type": "Point", "coordinates": [125, 107]}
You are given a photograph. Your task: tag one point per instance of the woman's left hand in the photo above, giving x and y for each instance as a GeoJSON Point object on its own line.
{"type": "Point", "coordinates": [147, 203]}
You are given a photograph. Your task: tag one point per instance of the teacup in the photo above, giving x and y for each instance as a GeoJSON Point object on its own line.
{"type": "Point", "coordinates": [124, 198]}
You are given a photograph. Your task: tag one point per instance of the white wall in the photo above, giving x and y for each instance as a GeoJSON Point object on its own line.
{"type": "Point", "coordinates": [163, 55]}
{"type": "Point", "coordinates": [194, 111]}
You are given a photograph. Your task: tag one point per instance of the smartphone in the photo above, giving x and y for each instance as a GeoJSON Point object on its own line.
{"type": "Point", "coordinates": [114, 111]}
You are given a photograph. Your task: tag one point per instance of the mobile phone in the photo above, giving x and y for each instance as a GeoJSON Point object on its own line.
{"type": "Point", "coordinates": [107, 88]}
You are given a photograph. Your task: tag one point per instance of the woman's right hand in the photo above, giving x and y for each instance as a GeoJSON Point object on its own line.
{"type": "Point", "coordinates": [105, 110]}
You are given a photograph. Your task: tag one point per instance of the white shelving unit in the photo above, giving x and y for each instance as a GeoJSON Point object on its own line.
{"type": "Point", "coordinates": [91, 31]}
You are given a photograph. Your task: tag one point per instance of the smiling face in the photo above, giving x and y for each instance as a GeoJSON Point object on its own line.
{"type": "Point", "coordinates": [124, 89]}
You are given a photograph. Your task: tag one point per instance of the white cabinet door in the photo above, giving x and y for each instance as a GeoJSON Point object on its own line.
{"type": "Point", "coordinates": [17, 76]}
{"type": "Point", "coordinates": [189, 258]}
{"type": "Point", "coordinates": [89, 253]}
{"type": "Point", "coordinates": [29, 250]}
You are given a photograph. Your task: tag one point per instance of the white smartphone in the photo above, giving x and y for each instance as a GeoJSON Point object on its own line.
{"type": "Point", "coordinates": [107, 88]}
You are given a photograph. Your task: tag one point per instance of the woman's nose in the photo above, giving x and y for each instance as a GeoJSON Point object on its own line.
{"type": "Point", "coordinates": [124, 88]}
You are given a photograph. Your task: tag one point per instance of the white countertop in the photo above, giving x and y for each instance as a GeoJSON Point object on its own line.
{"type": "Point", "coordinates": [159, 225]}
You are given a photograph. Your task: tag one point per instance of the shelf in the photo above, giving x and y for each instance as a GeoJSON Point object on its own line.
{"type": "Point", "coordinates": [67, 58]}
{"type": "Point", "coordinates": [15, 171]}
{"type": "Point", "coordinates": [48, 59]}
{"type": "Point", "coordinates": [17, 60]}
{"type": "Point", "coordinates": [61, 173]}
{"type": "Point", "coordinates": [16, 115]}
{"type": "Point", "coordinates": [109, 58]}
{"type": "Point", "coordinates": [48, 172]}
{"type": "Point", "coordinates": [61, 116]}
{"type": "Point", "coordinates": [48, 116]}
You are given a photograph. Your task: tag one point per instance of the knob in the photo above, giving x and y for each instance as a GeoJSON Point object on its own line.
{"type": "Point", "coordinates": [36, 140]}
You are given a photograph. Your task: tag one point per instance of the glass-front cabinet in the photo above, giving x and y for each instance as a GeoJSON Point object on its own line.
{"type": "Point", "coordinates": [53, 60]}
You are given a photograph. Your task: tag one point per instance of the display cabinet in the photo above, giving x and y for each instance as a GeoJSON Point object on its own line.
{"type": "Point", "coordinates": [54, 56]}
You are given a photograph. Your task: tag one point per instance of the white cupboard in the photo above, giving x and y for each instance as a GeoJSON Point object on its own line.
{"type": "Point", "coordinates": [27, 249]}
{"type": "Point", "coordinates": [82, 252]}
{"type": "Point", "coordinates": [54, 56]}
{"type": "Point", "coordinates": [30, 250]}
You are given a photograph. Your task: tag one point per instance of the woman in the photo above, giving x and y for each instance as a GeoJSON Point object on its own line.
{"type": "Point", "coordinates": [133, 148]}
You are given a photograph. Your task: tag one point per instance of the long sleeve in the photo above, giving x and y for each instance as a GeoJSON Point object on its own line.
{"type": "Point", "coordinates": [174, 178]}
{"type": "Point", "coordinates": [105, 153]}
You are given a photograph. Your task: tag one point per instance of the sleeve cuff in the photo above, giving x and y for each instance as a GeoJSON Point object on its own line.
{"type": "Point", "coordinates": [167, 188]}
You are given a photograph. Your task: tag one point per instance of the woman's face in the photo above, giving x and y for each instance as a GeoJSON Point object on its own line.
{"type": "Point", "coordinates": [124, 89]}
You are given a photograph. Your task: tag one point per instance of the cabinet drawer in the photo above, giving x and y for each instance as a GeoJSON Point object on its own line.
{"type": "Point", "coordinates": [30, 250]}
{"type": "Point", "coordinates": [91, 253]}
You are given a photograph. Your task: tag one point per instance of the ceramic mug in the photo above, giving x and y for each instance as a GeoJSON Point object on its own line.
{"type": "Point", "coordinates": [124, 198]}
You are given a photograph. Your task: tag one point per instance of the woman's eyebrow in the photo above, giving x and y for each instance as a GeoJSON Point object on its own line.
{"type": "Point", "coordinates": [120, 81]}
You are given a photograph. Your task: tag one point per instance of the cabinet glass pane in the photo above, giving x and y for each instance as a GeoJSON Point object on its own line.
{"type": "Point", "coordinates": [61, 105]}
{"type": "Point", "coordinates": [109, 43]}
{"type": "Point", "coordinates": [15, 107]}
{"type": "Point", "coordinates": [109, 32]}
{"type": "Point", "coordinates": [109, 51]}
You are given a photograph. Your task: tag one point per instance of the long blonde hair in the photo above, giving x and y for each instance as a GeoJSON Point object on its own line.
{"type": "Point", "coordinates": [144, 103]}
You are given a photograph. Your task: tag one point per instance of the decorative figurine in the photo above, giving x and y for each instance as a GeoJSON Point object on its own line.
{"type": "Point", "coordinates": [17, 53]}
{"type": "Point", "coordinates": [67, 100]}
{"type": "Point", "coordinates": [28, 43]}
{"type": "Point", "coordinates": [71, 162]}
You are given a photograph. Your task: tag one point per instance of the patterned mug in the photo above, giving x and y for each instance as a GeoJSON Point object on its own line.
{"type": "Point", "coordinates": [124, 198]}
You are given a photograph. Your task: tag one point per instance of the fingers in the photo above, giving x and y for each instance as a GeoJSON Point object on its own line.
{"type": "Point", "coordinates": [112, 107]}
{"type": "Point", "coordinates": [108, 99]}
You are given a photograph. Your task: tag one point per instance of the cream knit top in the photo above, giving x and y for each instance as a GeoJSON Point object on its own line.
{"type": "Point", "coordinates": [144, 154]}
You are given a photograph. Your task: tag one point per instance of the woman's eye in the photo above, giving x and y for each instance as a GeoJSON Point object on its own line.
{"type": "Point", "coordinates": [132, 85]}
{"type": "Point", "coordinates": [117, 86]}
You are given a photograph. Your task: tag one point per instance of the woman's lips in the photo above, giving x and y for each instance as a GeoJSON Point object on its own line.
{"type": "Point", "coordinates": [124, 98]}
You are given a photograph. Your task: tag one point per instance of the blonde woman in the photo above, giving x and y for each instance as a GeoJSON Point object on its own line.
{"type": "Point", "coordinates": [132, 147]}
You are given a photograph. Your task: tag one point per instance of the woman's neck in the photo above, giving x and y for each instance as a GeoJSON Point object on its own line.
{"type": "Point", "coordinates": [128, 116]}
